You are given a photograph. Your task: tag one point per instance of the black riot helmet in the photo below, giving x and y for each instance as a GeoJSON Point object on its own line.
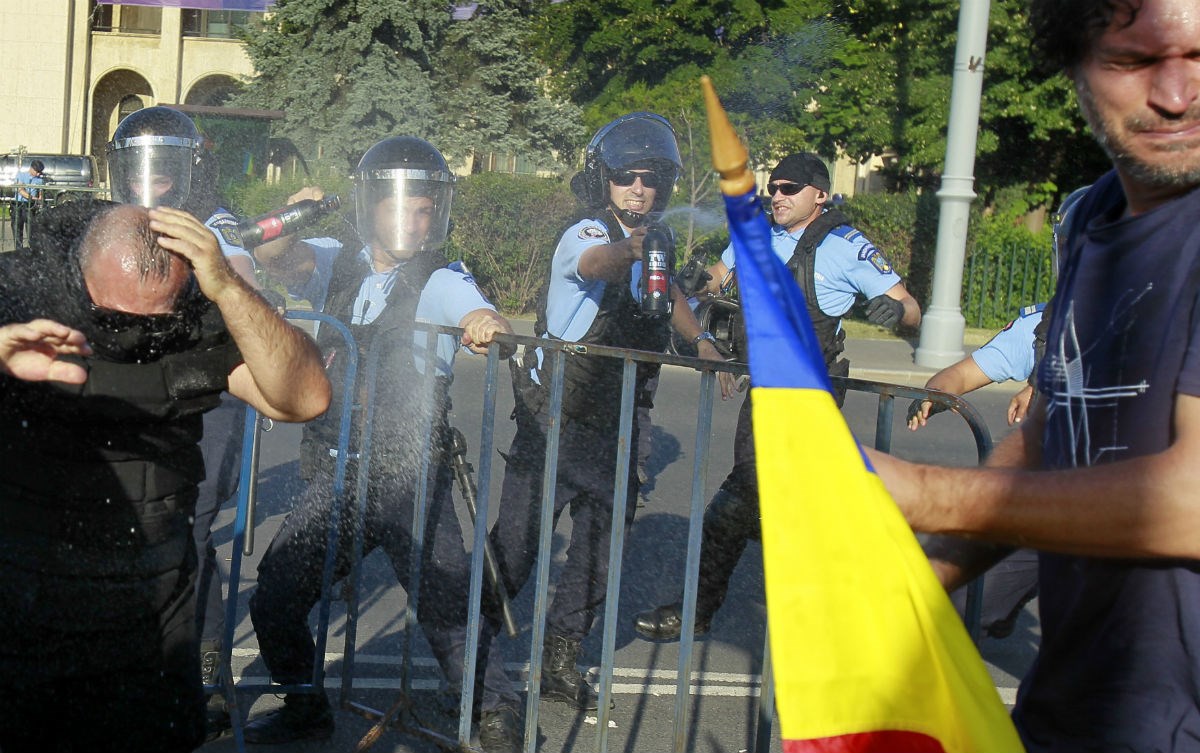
{"type": "Point", "coordinates": [151, 156]}
{"type": "Point", "coordinates": [402, 193]}
{"type": "Point", "coordinates": [639, 140]}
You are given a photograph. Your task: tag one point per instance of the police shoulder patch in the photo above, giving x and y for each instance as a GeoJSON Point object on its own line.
{"type": "Point", "coordinates": [231, 235]}
{"type": "Point", "coordinates": [873, 255]}
{"type": "Point", "coordinates": [592, 232]}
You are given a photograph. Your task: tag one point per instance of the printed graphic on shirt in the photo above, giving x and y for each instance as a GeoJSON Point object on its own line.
{"type": "Point", "coordinates": [594, 232]}
{"type": "Point", "coordinates": [1075, 394]}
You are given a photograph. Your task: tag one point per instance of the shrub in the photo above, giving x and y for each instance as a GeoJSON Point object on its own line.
{"type": "Point", "coordinates": [505, 229]}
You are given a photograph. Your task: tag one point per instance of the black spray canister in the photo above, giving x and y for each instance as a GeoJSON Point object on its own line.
{"type": "Point", "coordinates": [283, 221]}
{"type": "Point", "coordinates": [658, 267]}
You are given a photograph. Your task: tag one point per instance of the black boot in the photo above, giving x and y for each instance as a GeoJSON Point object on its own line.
{"type": "Point", "coordinates": [665, 623]}
{"type": "Point", "coordinates": [501, 731]}
{"type": "Point", "coordinates": [729, 521]}
{"type": "Point", "coordinates": [304, 716]}
{"type": "Point", "coordinates": [561, 680]}
{"type": "Point", "coordinates": [216, 712]}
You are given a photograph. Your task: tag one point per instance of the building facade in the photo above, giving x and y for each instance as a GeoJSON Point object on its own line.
{"type": "Point", "coordinates": [74, 68]}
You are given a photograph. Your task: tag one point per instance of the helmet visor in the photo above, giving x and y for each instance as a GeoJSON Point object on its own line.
{"type": "Point", "coordinates": [638, 139]}
{"type": "Point", "coordinates": [403, 210]}
{"type": "Point", "coordinates": [151, 171]}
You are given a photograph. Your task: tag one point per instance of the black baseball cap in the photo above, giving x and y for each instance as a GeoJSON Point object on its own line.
{"type": "Point", "coordinates": [804, 168]}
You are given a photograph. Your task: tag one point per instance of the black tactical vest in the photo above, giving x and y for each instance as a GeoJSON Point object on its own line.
{"type": "Point", "coordinates": [398, 419]}
{"type": "Point", "coordinates": [592, 385]}
{"type": "Point", "coordinates": [803, 266]}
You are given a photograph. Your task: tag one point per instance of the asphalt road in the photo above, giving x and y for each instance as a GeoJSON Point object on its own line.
{"type": "Point", "coordinates": [722, 706]}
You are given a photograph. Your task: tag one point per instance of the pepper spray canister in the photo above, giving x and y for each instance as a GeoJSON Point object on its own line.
{"type": "Point", "coordinates": [285, 221]}
{"type": "Point", "coordinates": [658, 267]}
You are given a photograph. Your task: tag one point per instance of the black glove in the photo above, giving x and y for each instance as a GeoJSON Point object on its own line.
{"type": "Point", "coordinates": [692, 278]}
{"type": "Point", "coordinates": [915, 409]}
{"type": "Point", "coordinates": [885, 311]}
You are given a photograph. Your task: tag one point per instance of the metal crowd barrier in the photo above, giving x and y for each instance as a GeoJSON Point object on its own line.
{"type": "Point", "coordinates": [51, 195]}
{"type": "Point", "coordinates": [557, 352]}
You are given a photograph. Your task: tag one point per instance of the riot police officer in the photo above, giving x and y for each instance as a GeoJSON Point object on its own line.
{"type": "Point", "coordinates": [403, 188]}
{"type": "Point", "coordinates": [630, 168]}
{"type": "Point", "coordinates": [834, 264]}
{"type": "Point", "coordinates": [151, 157]}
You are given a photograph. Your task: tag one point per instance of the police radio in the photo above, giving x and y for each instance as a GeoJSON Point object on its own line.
{"type": "Point", "coordinates": [284, 221]}
{"type": "Point", "coordinates": [658, 267]}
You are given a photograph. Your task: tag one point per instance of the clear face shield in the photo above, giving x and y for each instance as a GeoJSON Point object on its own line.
{"type": "Point", "coordinates": [403, 211]}
{"type": "Point", "coordinates": [151, 171]}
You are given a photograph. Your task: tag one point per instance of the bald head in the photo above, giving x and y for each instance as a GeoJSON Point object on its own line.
{"type": "Point", "coordinates": [123, 266]}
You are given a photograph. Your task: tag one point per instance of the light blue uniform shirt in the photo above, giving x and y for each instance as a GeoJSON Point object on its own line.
{"type": "Point", "coordinates": [846, 265]}
{"type": "Point", "coordinates": [571, 301]}
{"type": "Point", "coordinates": [448, 296]}
{"type": "Point", "coordinates": [1009, 354]}
{"type": "Point", "coordinates": [25, 179]}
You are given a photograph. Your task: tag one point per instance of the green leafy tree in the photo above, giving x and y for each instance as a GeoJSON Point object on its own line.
{"type": "Point", "coordinates": [618, 56]}
{"type": "Point", "coordinates": [888, 92]}
{"type": "Point", "coordinates": [347, 73]}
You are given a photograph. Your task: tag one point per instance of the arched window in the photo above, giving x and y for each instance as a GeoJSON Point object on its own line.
{"type": "Point", "coordinates": [129, 104]}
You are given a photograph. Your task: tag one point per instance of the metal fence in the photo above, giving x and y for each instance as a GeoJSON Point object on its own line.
{"type": "Point", "coordinates": [998, 283]}
{"type": "Point", "coordinates": [557, 353]}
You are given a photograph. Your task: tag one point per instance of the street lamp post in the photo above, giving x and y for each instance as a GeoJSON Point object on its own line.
{"type": "Point", "coordinates": [942, 326]}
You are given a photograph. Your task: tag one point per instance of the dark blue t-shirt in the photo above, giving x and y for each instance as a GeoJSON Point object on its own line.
{"type": "Point", "coordinates": [1119, 663]}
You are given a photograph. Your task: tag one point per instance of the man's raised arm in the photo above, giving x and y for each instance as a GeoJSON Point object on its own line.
{"type": "Point", "coordinates": [282, 375]}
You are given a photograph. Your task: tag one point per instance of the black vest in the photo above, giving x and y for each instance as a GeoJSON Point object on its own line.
{"type": "Point", "coordinates": [399, 418]}
{"type": "Point", "coordinates": [592, 385]}
{"type": "Point", "coordinates": [803, 266]}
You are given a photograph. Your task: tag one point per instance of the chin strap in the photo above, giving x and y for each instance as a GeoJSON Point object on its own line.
{"type": "Point", "coordinates": [628, 218]}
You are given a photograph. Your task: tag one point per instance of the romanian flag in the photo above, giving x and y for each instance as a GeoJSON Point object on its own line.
{"type": "Point", "coordinates": [869, 654]}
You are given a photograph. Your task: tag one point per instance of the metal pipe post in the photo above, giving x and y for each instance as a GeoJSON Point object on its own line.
{"type": "Point", "coordinates": [943, 324]}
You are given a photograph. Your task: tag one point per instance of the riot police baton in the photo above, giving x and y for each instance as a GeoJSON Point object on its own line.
{"type": "Point", "coordinates": [462, 471]}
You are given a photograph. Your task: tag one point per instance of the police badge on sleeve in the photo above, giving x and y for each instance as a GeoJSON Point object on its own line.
{"type": "Point", "coordinates": [873, 255]}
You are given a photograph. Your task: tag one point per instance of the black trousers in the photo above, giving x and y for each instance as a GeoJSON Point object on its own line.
{"type": "Point", "coordinates": [587, 456]}
{"type": "Point", "coordinates": [289, 580]}
{"type": "Point", "coordinates": [22, 216]}
{"type": "Point", "coordinates": [98, 649]}
{"type": "Point", "coordinates": [222, 448]}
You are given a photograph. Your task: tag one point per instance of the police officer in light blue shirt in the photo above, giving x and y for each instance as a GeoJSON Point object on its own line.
{"type": "Point", "coordinates": [834, 264]}
{"type": "Point", "coordinates": [1010, 354]}
{"type": "Point", "coordinates": [592, 296]}
{"type": "Point", "coordinates": [382, 291]}
{"type": "Point", "coordinates": [27, 200]}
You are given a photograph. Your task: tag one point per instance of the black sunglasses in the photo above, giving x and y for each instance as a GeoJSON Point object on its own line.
{"type": "Point", "coordinates": [787, 189]}
{"type": "Point", "coordinates": [625, 178]}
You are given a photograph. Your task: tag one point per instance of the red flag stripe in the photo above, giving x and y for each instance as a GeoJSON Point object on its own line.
{"type": "Point", "coordinates": [887, 741]}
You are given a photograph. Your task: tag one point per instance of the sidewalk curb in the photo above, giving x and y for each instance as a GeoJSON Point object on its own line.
{"type": "Point", "coordinates": [909, 378]}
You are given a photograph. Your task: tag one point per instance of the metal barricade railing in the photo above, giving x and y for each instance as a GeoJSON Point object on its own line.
{"type": "Point", "coordinates": [557, 352]}
{"type": "Point", "coordinates": [243, 531]}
